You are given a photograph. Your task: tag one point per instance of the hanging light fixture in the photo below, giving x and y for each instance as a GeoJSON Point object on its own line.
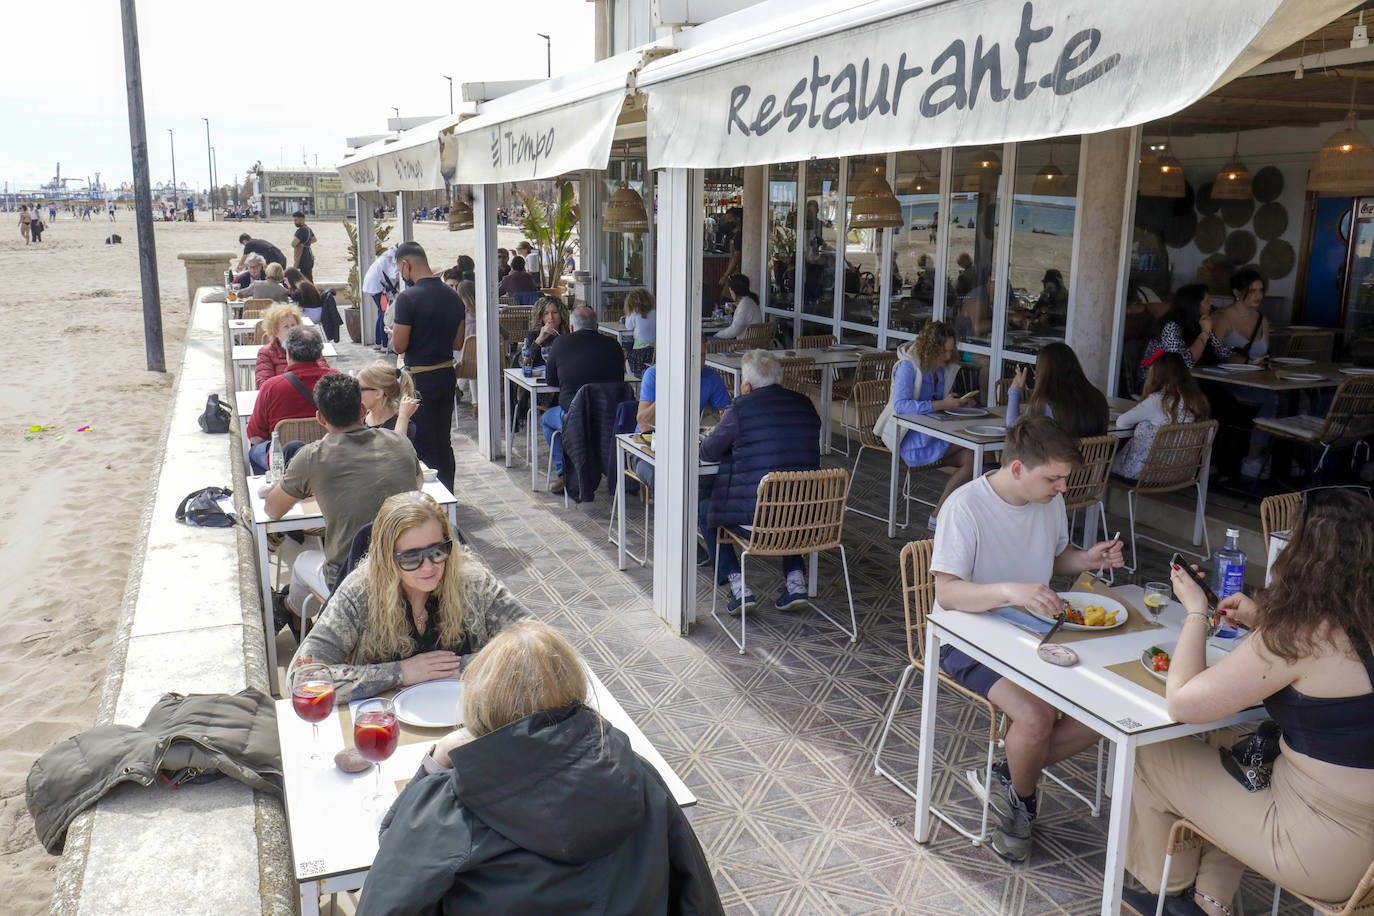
{"type": "Point", "coordinates": [1345, 163]}
{"type": "Point", "coordinates": [918, 184]}
{"type": "Point", "coordinates": [1148, 176]}
{"type": "Point", "coordinates": [1049, 181]}
{"type": "Point", "coordinates": [625, 210]}
{"type": "Point", "coordinates": [875, 206]}
{"type": "Point", "coordinates": [1168, 179]}
{"type": "Point", "coordinates": [986, 166]}
{"type": "Point", "coordinates": [1233, 181]}
{"type": "Point", "coordinates": [460, 215]}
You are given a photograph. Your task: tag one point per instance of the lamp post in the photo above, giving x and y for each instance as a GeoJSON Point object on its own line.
{"type": "Point", "coordinates": [173, 139]}
{"type": "Point", "coordinates": [450, 94]}
{"type": "Point", "coordinates": [143, 212]}
{"type": "Point", "coordinates": [209, 164]}
{"type": "Point", "coordinates": [214, 181]}
{"type": "Point", "coordinates": [398, 113]}
{"type": "Point", "coordinates": [548, 54]}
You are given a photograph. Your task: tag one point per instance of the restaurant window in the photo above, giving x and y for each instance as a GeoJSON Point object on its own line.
{"type": "Point", "coordinates": [971, 225]}
{"type": "Point", "coordinates": [623, 253]}
{"type": "Point", "coordinates": [863, 248]}
{"type": "Point", "coordinates": [917, 187]}
{"type": "Point", "coordinates": [819, 242]}
{"type": "Point", "coordinates": [782, 281]}
{"type": "Point", "coordinates": [723, 234]}
{"type": "Point", "coordinates": [1044, 207]}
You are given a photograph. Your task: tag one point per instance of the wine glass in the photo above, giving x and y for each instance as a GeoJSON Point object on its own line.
{"type": "Point", "coordinates": [376, 734]}
{"type": "Point", "coordinates": [312, 696]}
{"type": "Point", "coordinates": [1157, 598]}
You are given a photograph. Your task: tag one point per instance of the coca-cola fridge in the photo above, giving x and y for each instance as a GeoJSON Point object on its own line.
{"type": "Point", "coordinates": [1357, 300]}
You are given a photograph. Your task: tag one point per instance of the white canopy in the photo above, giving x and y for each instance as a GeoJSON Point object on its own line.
{"type": "Point", "coordinates": [408, 161]}
{"type": "Point", "coordinates": [785, 80]}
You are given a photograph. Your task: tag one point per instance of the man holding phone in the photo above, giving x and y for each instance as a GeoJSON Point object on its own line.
{"type": "Point", "coordinates": [1000, 539]}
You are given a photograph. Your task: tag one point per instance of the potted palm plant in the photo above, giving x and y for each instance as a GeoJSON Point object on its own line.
{"type": "Point", "coordinates": [550, 229]}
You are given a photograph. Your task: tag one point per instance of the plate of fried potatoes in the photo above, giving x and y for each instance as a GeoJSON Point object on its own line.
{"type": "Point", "coordinates": [1089, 611]}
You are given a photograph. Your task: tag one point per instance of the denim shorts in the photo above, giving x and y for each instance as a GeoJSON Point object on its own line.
{"type": "Point", "coordinates": [966, 672]}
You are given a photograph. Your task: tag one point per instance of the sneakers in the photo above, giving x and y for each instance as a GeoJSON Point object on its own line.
{"type": "Point", "coordinates": [746, 600]}
{"type": "Point", "coordinates": [557, 486]}
{"type": "Point", "coordinates": [703, 556]}
{"type": "Point", "coordinates": [1011, 838]}
{"type": "Point", "coordinates": [282, 615]}
{"type": "Point", "coordinates": [790, 600]}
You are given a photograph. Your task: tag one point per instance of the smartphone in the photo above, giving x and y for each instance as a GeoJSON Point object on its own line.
{"type": "Point", "coordinates": [1211, 596]}
{"type": "Point", "coordinates": [972, 394]}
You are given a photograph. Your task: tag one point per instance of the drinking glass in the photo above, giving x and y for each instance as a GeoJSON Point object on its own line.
{"type": "Point", "coordinates": [376, 734]}
{"type": "Point", "coordinates": [312, 696]}
{"type": "Point", "coordinates": [1157, 598]}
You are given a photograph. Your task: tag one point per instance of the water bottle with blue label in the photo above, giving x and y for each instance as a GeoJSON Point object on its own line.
{"type": "Point", "coordinates": [1228, 572]}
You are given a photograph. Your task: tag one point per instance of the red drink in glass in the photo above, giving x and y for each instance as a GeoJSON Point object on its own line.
{"type": "Point", "coordinates": [376, 734]}
{"type": "Point", "coordinates": [313, 702]}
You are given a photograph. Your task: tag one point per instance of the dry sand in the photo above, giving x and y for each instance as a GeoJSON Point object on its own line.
{"type": "Point", "coordinates": [70, 504]}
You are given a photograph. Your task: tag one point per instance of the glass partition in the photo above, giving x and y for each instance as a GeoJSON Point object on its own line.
{"type": "Point", "coordinates": [917, 187]}
{"type": "Point", "coordinates": [780, 288]}
{"type": "Point", "coordinates": [723, 227]}
{"type": "Point", "coordinates": [1044, 209]}
{"type": "Point", "coordinates": [819, 241]}
{"type": "Point", "coordinates": [971, 225]}
{"type": "Point", "coordinates": [863, 248]}
{"type": "Point", "coordinates": [623, 253]}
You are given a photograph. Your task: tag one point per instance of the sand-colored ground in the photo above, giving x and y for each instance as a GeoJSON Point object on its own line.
{"type": "Point", "coordinates": [70, 501]}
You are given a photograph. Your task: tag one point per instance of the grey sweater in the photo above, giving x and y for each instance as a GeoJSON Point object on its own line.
{"type": "Point", "coordinates": [334, 638]}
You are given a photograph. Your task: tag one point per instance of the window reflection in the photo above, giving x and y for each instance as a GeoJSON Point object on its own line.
{"type": "Point", "coordinates": [782, 236]}
{"type": "Point", "coordinates": [972, 228]}
{"type": "Point", "coordinates": [1043, 211]}
{"type": "Point", "coordinates": [723, 235]}
{"type": "Point", "coordinates": [863, 249]}
{"type": "Point", "coordinates": [818, 237]}
{"type": "Point", "coordinates": [917, 186]}
{"type": "Point", "coordinates": [622, 253]}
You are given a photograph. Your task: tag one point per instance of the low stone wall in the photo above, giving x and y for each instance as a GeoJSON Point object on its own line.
{"type": "Point", "coordinates": [190, 623]}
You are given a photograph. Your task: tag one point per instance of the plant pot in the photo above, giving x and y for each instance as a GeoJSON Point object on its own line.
{"type": "Point", "coordinates": [353, 319]}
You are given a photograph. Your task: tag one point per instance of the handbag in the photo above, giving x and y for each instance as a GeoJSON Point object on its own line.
{"type": "Point", "coordinates": [1251, 760]}
{"type": "Point", "coordinates": [215, 417]}
{"type": "Point", "coordinates": [201, 509]}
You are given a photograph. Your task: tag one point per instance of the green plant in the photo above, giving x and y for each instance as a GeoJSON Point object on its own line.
{"type": "Point", "coordinates": [355, 284]}
{"type": "Point", "coordinates": [551, 230]}
{"type": "Point", "coordinates": [782, 242]}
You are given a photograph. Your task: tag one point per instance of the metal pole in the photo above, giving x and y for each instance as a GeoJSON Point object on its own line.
{"type": "Point", "coordinates": [209, 164]}
{"type": "Point", "coordinates": [450, 94]}
{"type": "Point", "coordinates": [173, 138]}
{"type": "Point", "coordinates": [548, 54]}
{"type": "Point", "coordinates": [143, 193]}
{"type": "Point", "coordinates": [214, 179]}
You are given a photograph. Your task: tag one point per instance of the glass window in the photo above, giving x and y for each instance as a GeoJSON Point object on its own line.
{"type": "Point", "coordinates": [723, 237]}
{"type": "Point", "coordinates": [818, 238]}
{"type": "Point", "coordinates": [782, 237]}
{"type": "Point", "coordinates": [622, 253]}
{"type": "Point", "coordinates": [863, 248]}
{"type": "Point", "coordinates": [972, 228]}
{"type": "Point", "coordinates": [1044, 203]}
{"type": "Point", "coordinates": [917, 187]}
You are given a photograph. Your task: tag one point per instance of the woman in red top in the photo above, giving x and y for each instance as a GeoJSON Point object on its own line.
{"type": "Point", "coordinates": [277, 322]}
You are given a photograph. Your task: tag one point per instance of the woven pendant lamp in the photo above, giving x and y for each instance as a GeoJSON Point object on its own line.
{"type": "Point", "coordinates": [1050, 181]}
{"type": "Point", "coordinates": [1148, 177]}
{"type": "Point", "coordinates": [987, 166]}
{"type": "Point", "coordinates": [625, 210]}
{"type": "Point", "coordinates": [1233, 181]}
{"type": "Point", "coordinates": [460, 216]}
{"type": "Point", "coordinates": [875, 206]}
{"type": "Point", "coordinates": [1170, 182]}
{"type": "Point", "coordinates": [1345, 163]}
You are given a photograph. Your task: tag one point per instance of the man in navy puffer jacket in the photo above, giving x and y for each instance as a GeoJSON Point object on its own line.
{"type": "Point", "coordinates": [767, 428]}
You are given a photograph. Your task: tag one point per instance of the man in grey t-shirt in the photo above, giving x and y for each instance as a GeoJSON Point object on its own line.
{"type": "Point", "coordinates": [999, 540]}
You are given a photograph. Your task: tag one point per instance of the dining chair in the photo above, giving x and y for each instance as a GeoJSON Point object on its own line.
{"type": "Point", "coordinates": [870, 397]}
{"type": "Point", "coordinates": [760, 336]}
{"type": "Point", "coordinates": [999, 391]}
{"type": "Point", "coordinates": [1086, 488]}
{"type": "Point", "coordinates": [815, 341]}
{"type": "Point", "coordinates": [259, 333]}
{"type": "Point", "coordinates": [625, 423]}
{"type": "Point", "coordinates": [918, 600]}
{"type": "Point", "coordinates": [612, 314]}
{"type": "Point", "coordinates": [468, 367]}
{"type": "Point", "coordinates": [1279, 513]}
{"type": "Point", "coordinates": [796, 513]}
{"type": "Point", "coordinates": [1175, 461]}
{"type": "Point", "coordinates": [1348, 423]}
{"type": "Point", "coordinates": [799, 374]}
{"type": "Point", "coordinates": [1185, 836]}
{"type": "Point", "coordinates": [515, 323]}
{"type": "Point", "coordinates": [1313, 345]}
{"type": "Point", "coordinates": [870, 366]}
{"type": "Point", "coordinates": [254, 308]}
{"type": "Point", "coordinates": [528, 299]}
{"type": "Point", "coordinates": [303, 429]}
{"type": "Point", "coordinates": [725, 346]}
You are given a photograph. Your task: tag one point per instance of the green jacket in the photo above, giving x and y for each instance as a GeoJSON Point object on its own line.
{"type": "Point", "coordinates": [185, 738]}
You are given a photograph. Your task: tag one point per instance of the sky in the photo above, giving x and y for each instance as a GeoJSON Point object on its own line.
{"type": "Point", "coordinates": [283, 82]}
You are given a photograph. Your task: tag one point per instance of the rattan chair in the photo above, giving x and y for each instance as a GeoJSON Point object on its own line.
{"type": "Point", "coordinates": [796, 512]}
{"type": "Point", "coordinates": [799, 374]}
{"type": "Point", "coordinates": [870, 366]}
{"type": "Point", "coordinates": [918, 600]}
{"type": "Point", "coordinates": [870, 398]}
{"type": "Point", "coordinates": [759, 336]}
{"type": "Point", "coordinates": [468, 367]}
{"type": "Point", "coordinates": [302, 429]}
{"type": "Point", "coordinates": [1349, 421]}
{"type": "Point", "coordinates": [1000, 389]}
{"type": "Point", "coordinates": [1313, 345]}
{"type": "Point", "coordinates": [612, 314]}
{"type": "Point", "coordinates": [259, 333]}
{"type": "Point", "coordinates": [1086, 487]}
{"type": "Point", "coordinates": [815, 341]}
{"type": "Point", "coordinates": [254, 308]}
{"type": "Point", "coordinates": [723, 346]}
{"type": "Point", "coordinates": [515, 322]}
{"type": "Point", "coordinates": [1279, 513]}
{"type": "Point", "coordinates": [1186, 835]}
{"type": "Point", "coordinates": [1176, 460]}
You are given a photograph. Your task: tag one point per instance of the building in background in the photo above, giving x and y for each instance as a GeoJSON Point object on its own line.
{"type": "Point", "coordinates": [316, 192]}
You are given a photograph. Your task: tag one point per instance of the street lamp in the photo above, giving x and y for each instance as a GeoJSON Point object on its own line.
{"type": "Point", "coordinates": [209, 164]}
{"type": "Point", "coordinates": [548, 54]}
{"type": "Point", "coordinates": [450, 94]}
{"type": "Point", "coordinates": [172, 137]}
{"type": "Point", "coordinates": [398, 114]}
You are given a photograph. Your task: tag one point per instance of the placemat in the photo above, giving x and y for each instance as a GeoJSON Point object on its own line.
{"type": "Point", "coordinates": [1135, 620]}
{"type": "Point", "coordinates": [410, 734]}
{"type": "Point", "coordinates": [1135, 672]}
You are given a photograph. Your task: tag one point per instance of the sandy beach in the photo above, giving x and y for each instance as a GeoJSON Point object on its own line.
{"type": "Point", "coordinates": [69, 511]}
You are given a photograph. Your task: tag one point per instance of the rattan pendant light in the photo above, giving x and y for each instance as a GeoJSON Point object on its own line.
{"type": "Point", "coordinates": [1170, 183]}
{"type": "Point", "coordinates": [1345, 164]}
{"type": "Point", "coordinates": [1050, 181]}
{"type": "Point", "coordinates": [1233, 181]}
{"type": "Point", "coordinates": [625, 210]}
{"type": "Point", "coordinates": [460, 215]}
{"type": "Point", "coordinates": [875, 206]}
{"type": "Point", "coordinates": [1147, 178]}
{"type": "Point", "coordinates": [986, 167]}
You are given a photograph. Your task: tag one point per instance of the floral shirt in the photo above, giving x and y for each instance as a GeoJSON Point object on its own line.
{"type": "Point", "coordinates": [1171, 340]}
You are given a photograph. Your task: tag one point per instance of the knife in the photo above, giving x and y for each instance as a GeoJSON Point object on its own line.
{"type": "Point", "coordinates": [1058, 623]}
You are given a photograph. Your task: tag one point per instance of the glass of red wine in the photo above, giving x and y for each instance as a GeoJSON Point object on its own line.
{"type": "Point", "coordinates": [376, 734]}
{"type": "Point", "coordinates": [312, 696]}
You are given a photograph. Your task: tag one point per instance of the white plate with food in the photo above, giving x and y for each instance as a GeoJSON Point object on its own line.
{"type": "Point", "coordinates": [843, 347]}
{"type": "Point", "coordinates": [1302, 377]}
{"type": "Point", "coordinates": [1290, 361]}
{"type": "Point", "coordinates": [1082, 607]}
{"type": "Point", "coordinates": [1160, 669]}
{"type": "Point", "coordinates": [986, 431]}
{"type": "Point", "coordinates": [433, 704]}
{"type": "Point", "coordinates": [1357, 370]}
{"type": "Point", "coordinates": [1240, 367]}
{"type": "Point", "coordinates": [967, 413]}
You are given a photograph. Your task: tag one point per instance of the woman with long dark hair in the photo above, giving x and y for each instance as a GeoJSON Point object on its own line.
{"type": "Point", "coordinates": [1186, 329]}
{"type": "Point", "coordinates": [1062, 391]}
{"type": "Point", "coordinates": [747, 309]}
{"type": "Point", "coordinates": [1170, 396]}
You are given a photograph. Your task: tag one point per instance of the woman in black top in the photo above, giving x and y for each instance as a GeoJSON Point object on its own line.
{"type": "Point", "coordinates": [389, 396]}
{"type": "Point", "coordinates": [303, 293]}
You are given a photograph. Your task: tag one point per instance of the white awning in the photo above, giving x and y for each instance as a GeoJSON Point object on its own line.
{"type": "Point", "coordinates": [562, 125]}
{"type": "Point", "coordinates": [408, 161]}
{"type": "Point", "coordinates": [787, 80]}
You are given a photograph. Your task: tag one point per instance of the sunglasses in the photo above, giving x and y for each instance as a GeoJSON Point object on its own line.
{"type": "Point", "coordinates": [411, 560]}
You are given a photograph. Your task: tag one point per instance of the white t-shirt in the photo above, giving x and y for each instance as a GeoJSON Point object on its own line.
{"type": "Point", "coordinates": [747, 312]}
{"type": "Point", "coordinates": [384, 265]}
{"type": "Point", "coordinates": [982, 538]}
{"type": "Point", "coordinates": [643, 326]}
{"type": "Point", "coordinates": [532, 262]}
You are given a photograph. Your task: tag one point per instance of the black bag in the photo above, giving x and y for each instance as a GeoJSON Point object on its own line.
{"type": "Point", "coordinates": [201, 509]}
{"type": "Point", "coordinates": [1251, 760]}
{"type": "Point", "coordinates": [215, 418]}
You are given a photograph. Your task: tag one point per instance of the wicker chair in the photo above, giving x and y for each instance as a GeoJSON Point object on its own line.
{"type": "Point", "coordinates": [796, 512]}
{"type": "Point", "coordinates": [515, 321]}
{"type": "Point", "coordinates": [1000, 389]}
{"type": "Point", "coordinates": [870, 397]}
{"type": "Point", "coordinates": [1087, 486]}
{"type": "Point", "coordinates": [870, 366]}
{"type": "Point", "coordinates": [1176, 460]}
{"type": "Point", "coordinates": [1349, 421]}
{"type": "Point", "coordinates": [723, 346]}
{"type": "Point", "coordinates": [815, 341]}
{"type": "Point", "coordinates": [799, 373]}
{"type": "Point", "coordinates": [259, 333]}
{"type": "Point", "coordinates": [303, 429]}
{"type": "Point", "coordinates": [1186, 835]}
{"type": "Point", "coordinates": [1279, 513]}
{"type": "Point", "coordinates": [468, 367]}
{"type": "Point", "coordinates": [254, 308]}
{"type": "Point", "coordinates": [759, 336]}
{"type": "Point", "coordinates": [1314, 345]}
{"type": "Point", "coordinates": [612, 314]}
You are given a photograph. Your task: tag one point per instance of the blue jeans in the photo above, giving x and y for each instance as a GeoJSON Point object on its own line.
{"type": "Point", "coordinates": [729, 563]}
{"type": "Point", "coordinates": [257, 454]}
{"type": "Point", "coordinates": [552, 422]}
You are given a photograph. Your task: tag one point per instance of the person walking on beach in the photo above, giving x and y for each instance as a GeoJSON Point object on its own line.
{"type": "Point", "coordinates": [300, 246]}
{"type": "Point", "coordinates": [25, 222]}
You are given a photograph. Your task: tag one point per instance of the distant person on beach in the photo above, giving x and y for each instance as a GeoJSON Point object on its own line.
{"type": "Point", "coordinates": [277, 323]}
{"type": "Point", "coordinates": [287, 396]}
{"type": "Point", "coordinates": [36, 226]}
{"type": "Point", "coordinates": [25, 223]}
{"type": "Point", "coordinates": [301, 240]}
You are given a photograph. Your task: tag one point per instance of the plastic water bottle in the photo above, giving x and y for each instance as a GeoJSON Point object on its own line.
{"type": "Point", "coordinates": [276, 462]}
{"type": "Point", "coordinates": [1228, 572]}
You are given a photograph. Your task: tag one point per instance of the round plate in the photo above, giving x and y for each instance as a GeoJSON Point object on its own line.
{"type": "Point", "coordinates": [1290, 361]}
{"type": "Point", "coordinates": [433, 704]}
{"type": "Point", "coordinates": [1214, 655]}
{"type": "Point", "coordinates": [843, 347]}
{"type": "Point", "coordinates": [967, 413]}
{"type": "Point", "coordinates": [1240, 367]}
{"type": "Point", "coordinates": [1080, 600]}
{"type": "Point", "coordinates": [1302, 377]}
{"type": "Point", "coordinates": [987, 430]}
{"type": "Point", "coordinates": [1357, 370]}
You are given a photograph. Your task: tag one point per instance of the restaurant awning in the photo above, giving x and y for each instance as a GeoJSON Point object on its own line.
{"type": "Point", "coordinates": [785, 81]}
{"type": "Point", "coordinates": [409, 161]}
{"type": "Point", "coordinates": [562, 125]}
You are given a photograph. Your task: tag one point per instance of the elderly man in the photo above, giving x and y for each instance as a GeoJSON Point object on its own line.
{"type": "Point", "coordinates": [713, 394]}
{"type": "Point", "coordinates": [257, 269]}
{"type": "Point", "coordinates": [518, 280]}
{"type": "Point", "coordinates": [271, 253]}
{"type": "Point", "coordinates": [583, 357]}
{"type": "Point", "coordinates": [767, 428]}
{"type": "Point", "coordinates": [351, 471]}
{"type": "Point", "coordinates": [287, 396]}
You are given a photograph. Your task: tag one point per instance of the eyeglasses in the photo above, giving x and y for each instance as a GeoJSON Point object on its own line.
{"type": "Point", "coordinates": [411, 560]}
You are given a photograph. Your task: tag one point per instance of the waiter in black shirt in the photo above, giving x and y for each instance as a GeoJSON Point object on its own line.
{"type": "Point", "coordinates": [429, 327]}
{"type": "Point", "coordinates": [271, 253]}
{"type": "Point", "coordinates": [301, 240]}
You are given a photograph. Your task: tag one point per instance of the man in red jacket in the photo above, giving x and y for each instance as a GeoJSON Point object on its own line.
{"type": "Point", "coordinates": [288, 395]}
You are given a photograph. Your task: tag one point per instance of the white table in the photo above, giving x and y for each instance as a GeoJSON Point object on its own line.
{"type": "Point", "coordinates": [333, 840]}
{"type": "Point", "coordinates": [244, 401]}
{"type": "Point", "coordinates": [1123, 712]}
{"type": "Point", "coordinates": [625, 444]}
{"type": "Point", "coordinates": [534, 384]}
{"type": "Point", "coordinates": [828, 361]}
{"type": "Point", "coordinates": [241, 330]}
{"type": "Point", "coordinates": [245, 358]}
{"type": "Point", "coordinates": [303, 515]}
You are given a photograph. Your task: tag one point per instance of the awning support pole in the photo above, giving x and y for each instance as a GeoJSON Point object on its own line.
{"type": "Point", "coordinates": [367, 254]}
{"type": "Point", "coordinates": [489, 362]}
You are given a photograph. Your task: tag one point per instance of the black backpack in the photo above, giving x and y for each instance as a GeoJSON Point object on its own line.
{"type": "Point", "coordinates": [215, 418]}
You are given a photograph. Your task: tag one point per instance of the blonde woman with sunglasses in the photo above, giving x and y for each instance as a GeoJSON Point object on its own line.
{"type": "Point", "coordinates": [412, 609]}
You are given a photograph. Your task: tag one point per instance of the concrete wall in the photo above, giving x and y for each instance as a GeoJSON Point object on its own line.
{"type": "Point", "coordinates": [1094, 282]}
